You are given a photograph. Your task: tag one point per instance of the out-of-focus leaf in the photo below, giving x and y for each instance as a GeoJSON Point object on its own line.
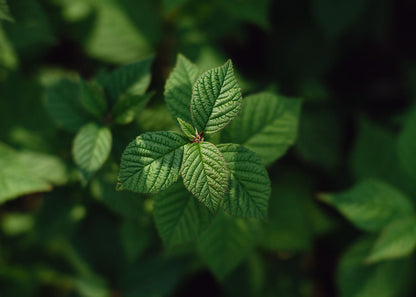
{"type": "Point", "coordinates": [8, 58]}
{"type": "Point", "coordinates": [267, 125]}
{"type": "Point", "coordinates": [407, 146]}
{"type": "Point", "coordinates": [386, 279]}
{"type": "Point", "coordinates": [92, 287]}
{"type": "Point", "coordinates": [371, 205]}
{"type": "Point", "coordinates": [135, 238]}
{"type": "Point", "coordinates": [253, 11]}
{"type": "Point", "coordinates": [92, 99]}
{"type": "Point", "coordinates": [128, 107]}
{"type": "Point", "coordinates": [4, 11]}
{"type": "Point", "coordinates": [169, 5]}
{"type": "Point", "coordinates": [179, 216]}
{"type": "Point", "coordinates": [397, 240]}
{"type": "Point", "coordinates": [16, 223]}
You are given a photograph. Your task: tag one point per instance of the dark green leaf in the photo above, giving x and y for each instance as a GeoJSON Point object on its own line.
{"type": "Point", "coordinates": [407, 146]}
{"type": "Point", "coordinates": [92, 99]}
{"type": "Point", "coordinates": [127, 107]}
{"type": "Point", "coordinates": [4, 11]}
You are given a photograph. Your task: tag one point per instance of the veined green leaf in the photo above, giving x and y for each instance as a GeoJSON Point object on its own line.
{"type": "Point", "coordinates": [225, 243]}
{"type": "Point", "coordinates": [397, 240]}
{"type": "Point", "coordinates": [187, 128]}
{"type": "Point", "coordinates": [205, 173]}
{"type": "Point", "coordinates": [92, 99]}
{"type": "Point", "coordinates": [152, 162]}
{"type": "Point", "coordinates": [127, 107]}
{"type": "Point", "coordinates": [64, 106]}
{"type": "Point", "coordinates": [216, 99]}
{"type": "Point", "coordinates": [178, 88]}
{"type": "Point", "coordinates": [371, 205]}
{"type": "Point", "coordinates": [249, 190]}
{"type": "Point", "coordinates": [407, 146]}
{"type": "Point", "coordinates": [4, 11]}
{"type": "Point", "coordinates": [92, 146]}
{"type": "Point", "coordinates": [179, 217]}
{"type": "Point", "coordinates": [132, 79]}
{"type": "Point", "coordinates": [267, 125]}
{"type": "Point", "coordinates": [357, 279]}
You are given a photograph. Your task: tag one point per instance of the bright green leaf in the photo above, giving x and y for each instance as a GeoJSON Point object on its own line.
{"type": "Point", "coordinates": [187, 128]}
{"type": "Point", "coordinates": [127, 107]}
{"type": "Point", "coordinates": [225, 243]}
{"type": "Point", "coordinates": [131, 79]}
{"type": "Point", "coordinates": [178, 88]}
{"type": "Point", "coordinates": [92, 99]}
{"type": "Point", "coordinates": [4, 11]}
{"type": "Point", "coordinates": [267, 125]}
{"type": "Point", "coordinates": [249, 189]}
{"type": "Point", "coordinates": [397, 240]}
{"type": "Point", "coordinates": [151, 162]}
{"type": "Point", "coordinates": [370, 205]}
{"type": "Point", "coordinates": [179, 217]}
{"type": "Point", "coordinates": [205, 173]}
{"type": "Point", "coordinates": [92, 146]}
{"type": "Point", "coordinates": [216, 99]}
{"type": "Point", "coordinates": [407, 146]}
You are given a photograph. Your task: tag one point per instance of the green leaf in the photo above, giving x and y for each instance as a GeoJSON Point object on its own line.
{"type": "Point", "coordinates": [267, 125]}
{"type": "Point", "coordinates": [334, 17]}
{"type": "Point", "coordinates": [15, 178]}
{"type": "Point", "coordinates": [187, 129]}
{"type": "Point", "coordinates": [178, 88]}
{"type": "Point", "coordinates": [357, 279]}
{"type": "Point", "coordinates": [397, 240]}
{"type": "Point", "coordinates": [131, 79]}
{"type": "Point", "coordinates": [63, 104]}
{"type": "Point", "coordinates": [169, 5]}
{"type": "Point", "coordinates": [92, 99]}
{"type": "Point", "coordinates": [205, 173]}
{"type": "Point", "coordinates": [225, 243]}
{"type": "Point", "coordinates": [253, 11]}
{"type": "Point", "coordinates": [152, 162]}
{"type": "Point", "coordinates": [249, 190]}
{"type": "Point", "coordinates": [216, 99]}
{"type": "Point", "coordinates": [92, 146]}
{"type": "Point", "coordinates": [371, 204]}
{"type": "Point", "coordinates": [135, 237]}
{"type": "Point", "coordinates": [407, 146]}
{"type": "Point", "coordinates": [127, 107]}
{"type": "Point", "coordinates": [5, 12]}
{"type": "Point", "coordinates": [179, 217]}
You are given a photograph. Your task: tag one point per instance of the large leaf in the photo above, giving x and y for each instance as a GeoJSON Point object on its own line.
{"type": "Point", "coordinates": [407, 146]}
{"type": "Point", "coordinates": [4, 11]}
{"type": "Point", "coordinates": [216, 99]}
{"type": "Point", "coordinates": [357, 279]}
{"type": "Point", "coordinates": [225, 243]}
{"type": "Point", "coordinates": [178, 88]}
{"type": "Point", "coordinates": [267, 125]}
{"type": "Point", "coordinates": [92, 146]}
{"type": "Point", "coordinates": [397, 240]}
{"type": "Point", "coordinates": [371, 205]}
{"type": "Point", "coordinates": [64, 106]}
{"type": "Point", "coordinates": [132, 79]}
{"type": "Point", "coordinates": [249, 189]}
{"type": "Point", "coordinates": [152, 162]}
{"type": "Point", "coordinates": [179, 217]}
{"type": "Point", "coordinates": [127, 107]}
{"type": "Point", "coordinates": [205, 173]}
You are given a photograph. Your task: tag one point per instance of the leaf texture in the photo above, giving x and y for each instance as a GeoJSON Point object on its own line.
{"type": "Point", "coordinates": [152, 162]}
{"type": "Point", "coordinates": [178, 88]}
{"type": "Point", "coordinates": [267, 125]}
{"type": "Point", "coordinates": [92, 146]}
{"type": "Point", "coordinates": [205, 173]}
{"type": "Point", "coordinates": [179, 217]}
{"type": "Point", "coordinates": [187, 128]}
{"type": "Point", "coordinates": [216, 99]}
{"type": "Point", "coordinates": [249, 188]}
{"type": "Point", "coordinates": [371, 204]}
{"type": "Point", "coordinates": [397, 240]}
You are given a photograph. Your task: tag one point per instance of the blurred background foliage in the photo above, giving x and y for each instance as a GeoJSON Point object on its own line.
{"type": "Point", "coordinates": [353, 63]}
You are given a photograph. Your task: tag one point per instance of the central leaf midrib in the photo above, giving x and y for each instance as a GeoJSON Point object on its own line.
{"type": "Point", "coordinates": [203, 166]}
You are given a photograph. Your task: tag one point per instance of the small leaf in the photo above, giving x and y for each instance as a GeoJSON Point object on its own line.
{"type": "Point", "coordinates": [92, 99]}
{"type": "Point", "coordinates": [267, 125]}
{"type": "Point", "coordinates": [152, 162]}
{"type": "Point", "coordinates": [187, 128]}
{"type": "Point", "coordinates": [205, 173]}
{"type": "Point", "coordinates": [216, 99]}
{"type": "Point", "coordinates": [92, 146]}
{"type": "Point", "coordinates": [249, 190]}
{"type": "Point", "coordinates": [178, 88]}
{"type": "Point", "coordinates": [406, 146]}
{"type": "Point", "coordinates": [371, 205]}
{"type": "Point", "coordinates": [225, 243]}
{"type": "Point", "coordinates": [397, 240]}
{"type": "Point", "coordinates": [132, 79]}
{"type": "Point", "coordinates": [5, 12]}
{"type": "Point", "coordinates": [127, 107]}
{"type": "Point", "coordinates": [179, 217]}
